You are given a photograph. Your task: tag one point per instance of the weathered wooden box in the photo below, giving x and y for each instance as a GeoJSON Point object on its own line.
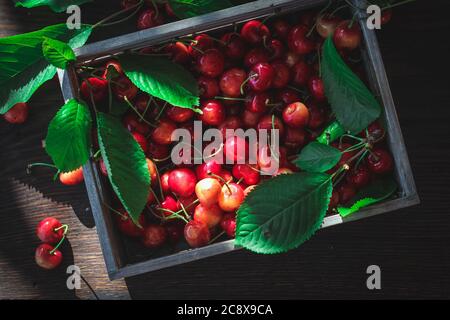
{"type": "Point", "coordinates": [116, 253]}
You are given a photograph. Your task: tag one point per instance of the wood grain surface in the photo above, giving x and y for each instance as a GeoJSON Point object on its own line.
{"type": "Point", "coordinates": [411, 246]}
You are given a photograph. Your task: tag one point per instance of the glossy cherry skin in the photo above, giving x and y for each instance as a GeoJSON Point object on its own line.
{"type": "Point", "coordinates": [112, 64]}
{"type": "Point", "coordinates": [126, 226]}
{"type": "Point", "coordinates": [231, 197]}
{"type": "Point", "coordinates": [205, 169]}
{"type": "Point", "coordinates": [386, 16]}
{"type": "Point", "coordinates": [207, 191]}
{"type": "Point", "coordinates": [248, 173]}
{"type": "Point", "coordinates": [347, 37]}
{"type": "Point", "coordinates": [72, 178]}
{"type": "Point", "coordinates": [281, 28]}
{"type": "Point", "coordinates": [296, 115]}
{"type": "Point", "coordinates": [250, 119]}
{"type": "Point", "coordinates": [287, 96]}
{"type": "Point", "coordinates": [376, 131]}
{"type": "Point", "coordinates": [299, 42]}
{"type": "Point", "coordinates": [256, 55]}
{"type": "Point", "coordinates": [179, 115]}
{"type": "Point", "coordinates": [17, 114]}
{"type": "Point", "coordinates": [346, 193]}
{"type": "Point", "coordinates": [171, 204]}
{"type": "Point", "coordinates": [197, 234]}
{"type": "Point", "coordinates": [132, 122]}
{"type": "Point", "coordinates": [380, 161]}
{"type": "Point", "coordinates": [316, 87]}
{"type": "Point", "coordinates": [358, 177]}
{"type": "Point", "coordinates": [235, 47]}
{"type": "Point", "coordinates": [266, 123]}
{"type": "Point", "coordinates": [317, 116]}
{"type": "Point", "coordinates": [261, 77]}
{"type": "Point", "coordinates": [154, 236]}
{"type": "Point", "coordinates": [326, 25]}
{"type": "Point", "coordinates": [123, 87]}
{"type": "Point", "coordinates": [295, 138]}
{"type": "Point", "coordinates": [213, 112]}
{"type": "Point", "coordinates": [211, 63]}
{"type": "Point", "coordinates": [282, 75]}
{"type": "Point", "coordinates": [94, 88]}
{"type": "Point", "coordinates": [157, 151]}
{"type": "Point", "coordinates": [201, 43]}
{"type": "Point", "coordinates": [152, 170]}
{"type": "Point", "coordinates": [162, 134]}
{"type": "Point", "coordinates": [226, 176]}
{"type": "Point", "coordinates": [268, 162]}
{"type": "Point", "coordinates": [46, 232]}
{"type": "Point", "coordinates": [257, 101]}
{"type": "Point", "coordinates": [208, 87]}
{"type": "Point", "coordinates": [231, 122]}
{"type": "Point", "coordinates": [178, 52]}
{"type": "Point", "coordinates": [103, 169]}
{"type": "Point", "coordinates": [140, 139]}
{"type": "Point", "coordinates": [182, 182]}
{"type": "Point", "coordinates": [231, 81]}
{"type": "Point", "coordinates": [188, 203]}
{"type": "Point", "coordinates": [149, 18]}
{"type": "Point", "coordinates": [210, 215]}
{"type": "Point", "coordinates": [235, 149]}
{"type": "Point", "coordinates": [165, 182]}
{"type": "Point", "coordinates": [276, 49]}
{"type": "Point", "coordinates": [45, 259]}
{"type": "Point", "coordinates": [228, 224]}
{"type": "Point", "coordinates": [254, 32]}
{"type": "Point", "coordinates": [301, 73]}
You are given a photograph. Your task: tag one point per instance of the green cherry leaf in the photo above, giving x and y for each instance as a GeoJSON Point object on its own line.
{"type": "Point", "coordinates": [68, 140]}
{"type": "Point", "coordinates": [55, 5]}
{"type": "Point", "coordinates": [318, 157]}
{"type": "Point", "coordinates": [191, 8]}
{"type": "Point", "coordinates": [57, 52]}
{"type": "Point", "coordinates": [352, 102]}
{"type": "Point", "coordinates": [283, 212]}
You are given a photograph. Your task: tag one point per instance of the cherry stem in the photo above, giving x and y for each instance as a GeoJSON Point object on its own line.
{"type": "Point", "coordinates": [221, 179]}
{"type": "Point", "coordinates": [318, 15]}
{"type": "Point", "coordinates": [173, 215]}
{"type": "Point", "coordinates": [115, 211]}
{"type": "Point", "coordinates": [138, 113]}
{"type": "Point", "coordinates": [182, 208]}
{"type": "Point", "coordinates": [161, 111]}
{"type": "Point", "coordinates": [231, 99]}
{"type": "Point", "coordinates": [247, 80]}
{"type": "Point", "coordinates": [158, 176]}
{"type": "Point", "coordinates": [155, 6]}
{"type": "Point", "coordinates": [66, 229]}
{"type": "Point", "coordinates": [103, 21]}
{"type": "Point", "coordinates": [39, 164]}
{"type": "Point", "coordinates": [216, 237]}
{"type": "Point", "coordinates": [240, 180]}
{"type": "Point", "coordinates": [96, 154]}
{"type": "Point", "coordinates": [154, 194]}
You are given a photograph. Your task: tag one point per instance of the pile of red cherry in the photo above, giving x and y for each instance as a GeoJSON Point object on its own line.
{"type": "Point", "coordinates": [52, 233]}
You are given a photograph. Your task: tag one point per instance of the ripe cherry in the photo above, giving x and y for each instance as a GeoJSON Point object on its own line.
{"type": "Point", "coordinates": [231, 81]}
{"type": "Point", "coordinates": [248, 173]}
{"type": "Point", "coordinates": [269, 122]}
{"type": "Point", "coordinates": [157, 151]}
{"type": "Point", "coordinates": [257, 101]}
{"type": "Point", "coordinates": [201, 43]}
{"type": "Point", "coordinates": [358, 177]}
{"type": "Point", "coordinates": [140, 139]}
{"type": "Point", "coordinates": [182, 182]}
{"type": "Point", "coordinates": [299, 42]}
{"type": "Point", "coordinates": [170, 204]}
{"type": "Point", "coordinates": [375, 130]}
{"type": "Point", "coordinates": [153, 172]}
{"type": "Point", "coordinates": [235, 47]}
{"type": "Point", "coordinates": [188, 203]}
{"type": "Point", "coordinates": [126, 225]}
{"type": "Point", "coordinates": [211, 63]}
{"type": "Point", "coordinates": [149, 18]}
{"type": "Point", "coordinates": [72, 178]}
{"type": "Point", "coordinates": [301, 73]}
{"type": "Point", "coordinates": [207, 191]}
{"type": "Point", "coordinates": [94, 88]}
{"type": "Point", "coordinates": [347, 35]}
{"type": "Point", "coordinates": [282, 74]}
{"type": "Point", "coordinates": [228, 224]}
{"type": "Point", "coordinates": [386, 16]}
{"type": "Point", "coordinates": [178, 52]}
{"type": "Point", "coordinates": [346, 193]}
{"type": "Point", "coordinates": [118, 71]}
{"type": "Point", "coordinates": [165, 182]}
{"type": "Point", "coordinates": [179, 115]}
{"type": "Point", "coordinates": [205, 169]}
{"type": "Point", "coordinates": [45, 259]}
{"type": "Point", "coordinates": [281, 28]}
{"type": "Point", "coordinates": [162, 134]}
{"type": "Point", "coordinates": [103, 169]}
{"type": "Point", "coordinates": [295, 138]}
{"type": "Point", "coordinates": [317, 116]}
{"type": "Point", "coordinates": [208, 87]}
{"type": "Point", "coordinates": [254, 32]}
{"type": "Point", "coordinates": [50, 230]}
{"type": "Point", "coordinates": [132, 122]}
{"type": "Point", "coordinates": [380, 161]}
{"type": "Point", "coordinates": [250, 119]}
{"type": "Point", "coordinates": [261, 77]}
{"type": "Point", "coordinates": [276, 49]}
{"type": "Point", "coordinates": [197, 233]}
{"type": "Point", "coordinates": [226, 176]}
{"type": "Point", "coordinates": [123, 87]}
{"type": "Point", "coordinates": [334, 200]}
{"type": "Point", "coordinates": [256, 55]}
{"type": "Point", "coordinates": [316, 87]}
{"type": "Point", "coordinates": [287, 96]}
{"type": "Point", "coordinates": [154, 236]}
{"type": "Point", "coordinates": [231, 197]}
{"type": "Point", "coordinates": [17, 114]}
{"type": "Point", "coordinates": [210, 215]}
{"type": "Point", "coordinates": [231, 122]}
{"type": "Point", "coordinates": [326, 25]}
{"type": "Point", "coordinates": [235, 149]}
{"type": "Point", "coordinates": [296, 115]}
{"type": "Point", "coordinates": [213, 112]}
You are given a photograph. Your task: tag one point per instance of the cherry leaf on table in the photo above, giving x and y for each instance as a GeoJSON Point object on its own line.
{"type": "Point", "coordinates": [68, 140]}
{"type": "Point", "coordinates": [352, 102]}
{"type": "Point", "coordinates": [55, 5]}
{"type": "Point", "coordinates": [191, 8]}
{"type": "Point", "coordinates": [283, 212]}
{"type": "Point", "coordinates": [162, 78]}
{"type": "Point", "coordinates": [57, 52]}
{"type": "Point", "coordinates": [125, 163]}
{"type": "Point", "coordinates": [377, 191]}
{"type": "Point", "coordinates": [23, 67]}
{"type": "Point", "coordinates": [317, 157]}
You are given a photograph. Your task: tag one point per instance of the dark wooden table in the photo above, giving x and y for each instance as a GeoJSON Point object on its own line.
{"type": "Point", "coordinates": [410, 246]}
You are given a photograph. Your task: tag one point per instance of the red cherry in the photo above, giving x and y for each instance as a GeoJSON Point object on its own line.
{"type": "Point", "coordinates": [358, 177]}
{"type": "Point", "coordinates": [257, 101]}
{"type": "Point", "coordinates": [213, 112]}
{"type": "Point", "coordinates": [282, 75]}
{"type": "Point", "coordinates": [295, 138]}
{"type": "Point", "coordinates": [154, 236]}
{"type": "Point", "coordinates": [380, 161]}
{"type": "Point", "coordinates": [178, 52]}
{"type": "Point", "coordinates": [140, 139]}
{"type": "Point", "coordinates": [205, 169]}
{"type": "Point", "coordinates": [127, 226]}
{"type": "Point", "coordinates": [231, 81]}
{"type": "Point", "coordinates": [188, 203]}
{"type": "Point", "coordinates": [235, 149]}
{"type": "Point", "coordinates": [299, 42]}
{"type": "Point", "coordinates": [255, 32]}
{"type": "Point", "coordinates": [211, 63]}
{"type": "Point", "coordinates": [182, 182]}
{"type": "Point", "coordinates": [250, 119]}
{"type": "Point", "coordinates": [287, 96]}
{"type": "Point", "coordinates": [201, 43]}
{"type": "Point", "coordinates": [376, 131]}
{"type": "Point", "coordinates": [256, 55]}
{"type": "Point", "coordinates": [103, 169]}
{"type": "Point", "coordinates": [46, 230]}
{"type": "Point", "coordinates": [268, 162]}
{"type": "Point", "coordinates": [208, 87]}
{"type": "Point", "coordinates": [301, 73]}
{"type": "Point", "coordinates": [174, 230]}
{"type": "Point", "coordinates": [334, 201]}
{"type": "Point", "coordinates": [226, 176]}
{"type": "Point", "coordinates": [152, 171]}
{"type": "Point", "coordinates": [157, 151]}
{"type": "Point", "coordinates": [296, 115]}
{"type": "Point", "coordinates": [316, 88]}
{"type": "Point", "coordinates": [347, 37]}
{"type": "Point", "coordinates": [197, 234]}
{"type": "Point", "coordinates": [386, 16]}
{"type": "Point", "coordinates": [210, 215]}
{"type": "Point", "coordinates": [133, 123]}
{"type": "Point", "coordinates": [231, 197]}
{"type": "Point", "coordinates": [149, 18]}
{"type": "Point", "coordinates": [179, 115]}
{"type": "Point", "coordinates": [163, 132]}
{"type": "Point", "coordinates": [165, 182]}
{"type": "Point", "coordinates": [317, 116]}
{"type": "Point", "coordinates": [17, 114]}
{"type": "Point", "coordinates": [266, 123]}
{"type": "Point", "coordinates": [249, 173]}
{"type": "Point", "coordinates": [281, 28]}
{"type": "Point", "coordinates": [326, 25]}
{"type": "Point", "coordinates": [231, 122]}
{"type": "Point", "coordinates": [171, 204]}
{"type": "Point", "coordinates": [235, 47]}
{"type": "Point", "coordinates": [207, 191]}
{"type": "Point", "coordinates": [228, 224]}
{"type": "Point", "coordinates": [94, 88]}
{"type": "Point", "coordinates": [123, 87]}
{"type": "Point", "coordinates": [346, 193]}
{"type": "Point", "coordinates": [45, 259]}
{"type": "Point", "coordinates": [142, 104]}
{"type": "Point", "coordinates": [72, 178]}
{"type": "Point", "coordinates": [261, 77]}
{"type": "Point", "coordinates": [112, 64]}
{"type": "Point", "coordinates": [276, 49]}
